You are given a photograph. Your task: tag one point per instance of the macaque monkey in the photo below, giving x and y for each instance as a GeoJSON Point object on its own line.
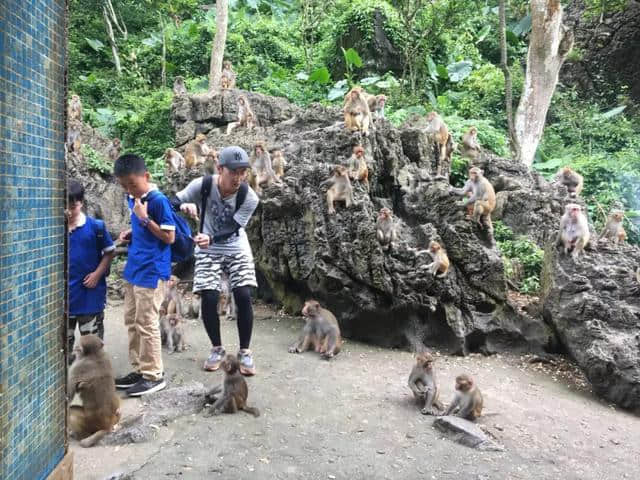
{"type": "Point", "coordinates": [197, 151]}
{"type": "Point", "coordinates": [74, 139]}
{"type": "Point", "coordinates": [174, 160]}
{"type": "Point", "coordinates": [438, 129]}
{"type": "Point", "coordinates": [470, 145]}
{"type": "Point", "coordinates": [614, 230]}
{"type": "Point", "coordinates": [74, 111]}
{"type": "Point", "coordinates": [226, 300]}
{"type": "Point", "coordinates": [261, 165]}
{"type": "Point", "coordinates": [574, 230]}
{"type": "Point", "coordinates": [422, 382]}
{"type": "Point", "coordinates": [340, 189]}
{"type": "Point", "coordinates": [483, 197]}
{"type": "Point", "coordinates": [376, 105]}
{"type": "Point", "coordinates": [233, 391]}
{"type": "Point", "coordinates": [173, 327]}
{"type": "Point", "coordinates": [385, 230]}
{"type": "Point", "coordinates": [356, 111]}
{"type": "Point", "coordinates": [246, 117]}
{"type": "Point", "coordinates": [440, 265]}
{"type": "Point", "coordinates": [570, 179]}
{"type": "Point", "coordinates": [228, 78]}
{"type": "Point", "coordinates": [179, 87]}
{"type": "Point", "coordinates": [211, 163]}
{"type": "Point", "coordinates": [172, 301]}
{"type": "Point", "coordinates": [113, 152]}
{"type": "Point", "coordinates": [358, 169]}
{"type": "Point", "coordinates": [91, 376]}
{"type": "Point", "coordinates": [467, 401]}
{"type": "Point", "coordinates": [320, 332]}
{"type": "Point", "coordinates": [279, 163]}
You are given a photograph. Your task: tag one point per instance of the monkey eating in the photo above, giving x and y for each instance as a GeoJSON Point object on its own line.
{"type": "Point", "coordinates": [574, 230]}
{"type": "Point", "coordinates": [467, 401]}
{"type": "Point", "coordinates": [91, 376]}
{"type": "Point", "coordinates": [357, 116]}
{"type": "Point", "coordinates": [228, 77]}
{"type": "Point", "coordinates": [385, 230]}
{"type": "Point", "coordinates": [178, 86]}
{"type": "Point", "coordinates": [570, 179]}
{"type": "Point", "coordinates": [614, 230]}
{"type": "Point", "coordinates": [233, 391]}
{"type": "Point", "coordinates": [440, 264]}
{"type": "Point", "coordinates": [246, 117]}
{"type": "Point", "coordinates": [358, 169]}
{"type": "Point", "coordinates": [470, 146]}
{"type": "Point", "coordinates": [197, 151]}
{"type": "Point", "coordinates": [483, 197]}
{"type": "Point", "coordinates": [340, 189]}
{"type": "Point", "coordinates": [321, 331]}
{"type": "Point", "coordinates": [422, 382]}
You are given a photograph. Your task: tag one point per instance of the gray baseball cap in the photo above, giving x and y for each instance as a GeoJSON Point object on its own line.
{"type": "Point", "coordinates": [233, 158]}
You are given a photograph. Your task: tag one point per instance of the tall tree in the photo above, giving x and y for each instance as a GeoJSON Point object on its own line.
{"type": "Point", "coordinates": [508, 88]}
{"type": "Point", "coordinates": [111, 19]}
{"type": "Point", "coordinates": [549, 44]}
{"type": "Point", "coordinates": [217, 52]}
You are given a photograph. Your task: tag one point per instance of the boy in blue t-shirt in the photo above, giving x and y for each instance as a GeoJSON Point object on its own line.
{"type": "Point", "coordinates": [91, 251]}
{"type": "Point", "coordinates": [148, 266]}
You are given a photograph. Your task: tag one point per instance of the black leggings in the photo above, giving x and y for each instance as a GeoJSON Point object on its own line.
{"type": "Point", "coordinates": [244, 312]}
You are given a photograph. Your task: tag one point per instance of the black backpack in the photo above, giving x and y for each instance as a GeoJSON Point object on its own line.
{"type": "Point", "coordinates": [207, 182]}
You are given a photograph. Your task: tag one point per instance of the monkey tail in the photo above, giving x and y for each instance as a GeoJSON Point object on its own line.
{"type": "Point", "coordinates": [252, 410]}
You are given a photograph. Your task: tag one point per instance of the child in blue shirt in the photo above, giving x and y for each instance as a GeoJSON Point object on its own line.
{"type": "Point", "coordinates": [91, 251]}
{"type": "Point", "coordinates": [148, 266]}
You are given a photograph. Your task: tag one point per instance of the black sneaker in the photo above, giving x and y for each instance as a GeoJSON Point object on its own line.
{"type": "Point", "coordinates": [128, 380]}
{"type": "Point", "coordinates": [145, 386]}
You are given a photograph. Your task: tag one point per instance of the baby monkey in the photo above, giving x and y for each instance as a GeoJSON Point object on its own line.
{"type": "Point", "coordinates": [614, 230]}
{"type": "Point", "coordinates": [233, 391]}
{"type": "Point", "coordinates": [385, 230]}
{"type": "Point", "coordinates": [440, 265]}
{"type": "Point", "coordinates": [422, 382]}
{"type": "Point", "coordinates": [172, 331]}
{"type": "Point", "coordinates": [340, 189]}
{"type": "Point", "coordinates": [320, 332]}
{"type": "Point", "coordinates": [467, 401]}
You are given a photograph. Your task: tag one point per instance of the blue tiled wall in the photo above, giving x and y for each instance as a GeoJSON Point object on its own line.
{"type": "Point", "coordinates": [32, 276]}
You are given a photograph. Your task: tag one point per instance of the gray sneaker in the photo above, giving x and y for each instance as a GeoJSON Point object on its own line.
{"type": "Point", "coordinates": [247, 367]}
{"type": "Point", "coordinates": [212, 363]}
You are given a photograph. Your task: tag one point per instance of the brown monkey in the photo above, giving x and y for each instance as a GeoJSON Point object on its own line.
{"type": "Point", "coordinates": [179, 87]}
{"type": "Point", "coordinates": [234, 391]}
{"type": "Point", "coordinates": [440, 265]}
{"type": "Point", "coordinates": [246, 117]}
{"type": "Point", "coordinates": [376, 104]}
{"type": "Point", "coordinates": [279, 163]}
{"type": "Point", "coordinates": [438, 129]}
{"type": "Point", "coordinates": [228, 78]}
{"type": "Point", "coordinates": [422, 382]}
{"type": "Point", "coordinates": [321, 331]}
{"type": "Point", "coordinates": [483, 197]}
{"type": "Point", "coordinates": [574, 230]}
{"type": "Point", "coordinates": [174, 333]}
{"type": "Point", "coordinates": [226, 301]}
{"type": "Point", "coordinates": [113, 152]}
{"type": "Point", "coordinates": [174, 160]}
{"type": "Point", "coordinates": [172, 301]}
{"type": "Point", "coordinates": [358, 169]}
{"type": "Point", "coordinates": [467, 401]}
{"type": "Point", "coordinates": [385, 230]}
{"type": "Point", "coordinates": [470, 145]}
{"type": "Point", "coordinates": [356, 111]}
{"type": "Point", "coordinates": [197, 151]}
{"type": "Point", "coordinates": [211, 163]}
{"type": "Point", "coordinates": [261, 165]}
{"type": "Point", "coordinates": [614, 230]}
{"type": "Point", "coordinates": [570, 179]}
{"type": "Point", "coordinates": [340, 190]}
{"type": "Point", "coordinates": [74, 111]}
{"type": "Point", "coordinates": [74, 139]}
{"type": "Point", "coordinates": [91, 376]}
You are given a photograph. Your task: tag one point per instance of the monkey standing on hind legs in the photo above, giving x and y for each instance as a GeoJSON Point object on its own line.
{"type": "Point", "coordinates": [467, 401]}
{"type": "Point", "coordinates": [91, 376]}
{"type": "Point", "coordinates": [340, 189]}
{"type": "Point", "coordinates": [422, 382]}
{"type": "Point", "coordinates": [233, 391]}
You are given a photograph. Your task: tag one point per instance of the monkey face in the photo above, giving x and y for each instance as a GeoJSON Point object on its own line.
{"type": "Point", "coordinates": [474, 174]}
{"type": "Point", "coordinates": [381, 100]}
{"type": "Point", "coordinates": [385, 213]}
{"type": "Point", "coordinates": [434, 246]}
{"type": "Point", "coordinates": [230, 364]}
{"type": "Point", "coordinates": [425, 360]}
{"type": "Point", "coordinates": [310, 308]}
{"type": "Point", "coordinates": [340, 171]}
{"type": "Point", "coordinates": [173, 320]}
{"type": "Point", "coordinates": [464, 383]}
{"type": "Point", "coordinates": [573, 210]}
{"type": "Point", "coordinates": [617, 216]}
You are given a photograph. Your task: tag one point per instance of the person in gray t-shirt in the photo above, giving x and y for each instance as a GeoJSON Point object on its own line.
{"type": "Point", "coordinates": [223, 246]}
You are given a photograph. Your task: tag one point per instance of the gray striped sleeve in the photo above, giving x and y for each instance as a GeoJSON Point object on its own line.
{"type": "Point", "coordinates": [247, 208]}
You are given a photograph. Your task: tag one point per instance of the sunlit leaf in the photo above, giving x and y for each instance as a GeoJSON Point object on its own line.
{"type": "Point", "coordinates": [483, 33]}
{"type": "Point", "coordinates": [524, 26]}
{"type": "Point", "coordinates": [369, 80]}
{"type": "Point", "coordinates": [613, 112]}
{"type": "Point", "coordinates": [459, 71]}
{"type": "Point", "coordinates": [442, 72]}
{"type": "Point", "coordinates": [337, 92]}
{"type": "Point", "coordinates": [302, 76]}
{"type": "Point", "coordinates": [352, 57]}
{"type": "Point", "coordinates": [96, 44]}
{"type": "Point", "coordinates": [321, 75]}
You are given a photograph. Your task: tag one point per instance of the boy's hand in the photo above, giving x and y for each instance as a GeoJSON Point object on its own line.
{"type": "Point", "coordinates": [91, 280]}
{"type": "Point", "coordinates": [125, 237]}
{"type": "Point", "coordinates": [140, 209]}
{"type": "Point", "coordinates": [190, 209]}
{"type": "Point", "coordinates": [202, 240]}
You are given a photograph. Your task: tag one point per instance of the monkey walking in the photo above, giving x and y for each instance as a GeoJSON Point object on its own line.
{"type": "Point", "coordinates": [574, 230]}
{"type": "Point", "coordinates": [232, 393]}
{"type": "Point", "coordinates": [340, 190]}
{"type": "Point", "coordinates": [422, 382]}
{"type": "Point", "coordinates": [91, 376]}
{"type": "Point", "coordinates": [321, 331]}
{"type": "Point", "coordinates": [467, 401]}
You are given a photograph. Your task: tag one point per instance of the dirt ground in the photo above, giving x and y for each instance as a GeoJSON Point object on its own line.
{"type": "Point", "coordinates": [353, 418]}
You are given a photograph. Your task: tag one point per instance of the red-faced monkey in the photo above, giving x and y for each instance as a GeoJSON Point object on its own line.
{"type": "Point", "coordinates": [233, 391]}
{"type": "Point", "coordinates": [356, 111]}
{"type": "Point", "coordinates": [385, 230]}
{"type": "Point", "coordinates": [467, 402]}
{"type": "Point", "coordinates": [574, 230]}
{"type": "Point", "coordinates": [197, 151]}
{"type": "Point", "coordinates": [321, 331]}
{"type": "Point", "coordinates": [483, 197]}
{"type": "Point", "coordinates": [422, 382]}
{"type": "Point", "coordinates": [358, 169]}
{"type": "Point", "coordinates": [570, 179]}
{"type": "Point", "coordinates": [91, 376]}
{"type": "Point", "coordinates": [470, 146]}
{"type": "Point", "coordinates": [340, 189]}
{"type": "Point", "coordinates": [614, 230]}
{"type": "Point", "coordinates": [440, 265]}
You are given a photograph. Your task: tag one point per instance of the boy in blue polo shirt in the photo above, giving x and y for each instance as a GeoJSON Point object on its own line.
{"type": "Point", "coordinates": [91, 251]}
{"type": "Point", "coordinates": [148, 266]}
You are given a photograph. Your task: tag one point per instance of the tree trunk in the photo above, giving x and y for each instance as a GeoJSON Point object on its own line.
{"type": "Point", "coordinates": [549, 44]}
{"type": "Point", "coordinates": [112, 40]}
{"type": "Point", "coordinates": [508, 89]}
{"type": "Point", "coordinates": [217, 52]}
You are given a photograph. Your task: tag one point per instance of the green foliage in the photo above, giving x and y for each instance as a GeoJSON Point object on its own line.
{"type": "Point", "coordinates": [96, 161]}
{"type": "Point", "coordinates": [519, 252]}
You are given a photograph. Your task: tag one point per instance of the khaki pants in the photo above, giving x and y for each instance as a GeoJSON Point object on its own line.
{"type": "Point", "coordinates": [141, 306]}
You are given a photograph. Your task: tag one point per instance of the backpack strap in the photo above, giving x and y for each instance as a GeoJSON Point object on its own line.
{"type": "Point", "coordinates": [207, 182]}
{"type": "Point", "coordinates": [241, 195]}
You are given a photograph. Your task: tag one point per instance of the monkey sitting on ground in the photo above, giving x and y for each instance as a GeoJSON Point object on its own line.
{"type": "Point", "coordinates": [467, 401]}
{"type": "Point", "coordinates": [358, 169]}
{"type": "Point", "coordinates": [356, 111]}
{"type": "Point", "coordinates": [376, 105]}
{"type": "Point", "coordinates": [174, 160]}
{"type": "Point", "coordinates": [113, 152]}
{"type": "Point", "coordinates": [279, 164]}
{"type": "Point", "coordinates": [246, 117]}
{"type": "Point", "coordinates": [570, 179]}
{"type": "Point", "coordinates": [340, 189]}
{"type": "Point", "coordinates": [91, 376]}
{"type": "Point", "coordinates": [320, 332]}
{"type": "Point", "coordinates": [483, 197]}
{"type": "Point", "coordinates": [197, 151]}
{"type": "Point", "coordinates": [422, 382]}
{"type": "Point", "coordinates": [226, 301]}
{"type": "Point", "coordinates": [438, 129]}
{"type": "Point", "coordinates": [228, 77]}
{"type": "Point", "coordinates": [470, 146]}
{"type": "Point", "coordinates": [172, 330]}
{"type": "Point", "coordinates": [385, 230]}
{"type": "Point", "coordinates": [574, 230]}
{"type": "Point", "coordinates": [179, 87]}
{"type": "Point", "coordinates": [614, 230]}
{"type": "Point", "coordinates": [440, 265]}
{"type": "Point", "coordinates": [233, 391]}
